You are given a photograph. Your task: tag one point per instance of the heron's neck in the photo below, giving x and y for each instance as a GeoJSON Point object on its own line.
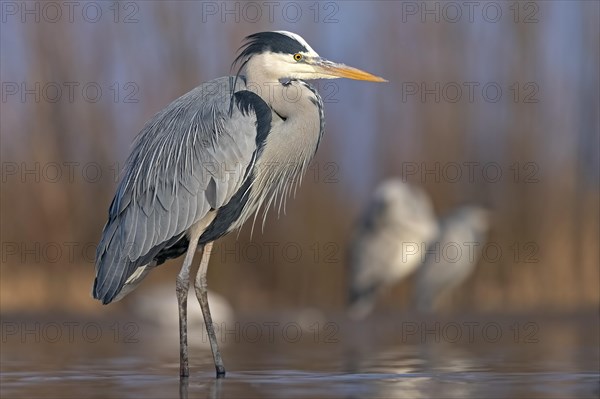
{"type": "Point", "coordinates": [296, 128]}
{"type": "Point", "coordinates": [298, 105]}
{"type": "Point", "coordinates": [287, 100]}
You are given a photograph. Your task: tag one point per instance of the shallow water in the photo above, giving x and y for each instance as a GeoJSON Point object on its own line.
{"type": "Point", "coordinates": [492, 357]}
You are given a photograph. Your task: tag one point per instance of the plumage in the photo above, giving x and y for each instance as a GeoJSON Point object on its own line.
{"type": "Point", "coordinates": [209, 161]}
{"type": "Point", "coordinates": [276, 42]}
{"type": "Point", "coordinates": [453, 256]}
{"type": "Point", "coordinates": [221, 167]}
{"type": "Point", "coordinates": [157, 201]}
{"type": "Point", "coordinates": [390, 242]}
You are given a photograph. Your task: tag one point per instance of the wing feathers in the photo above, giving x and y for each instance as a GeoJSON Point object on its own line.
{"type": "Point", "coordinates": [190, 158]}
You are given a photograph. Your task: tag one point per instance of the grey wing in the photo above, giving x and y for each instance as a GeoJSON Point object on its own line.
{"type": "Point", "coordinates": [191, 158]}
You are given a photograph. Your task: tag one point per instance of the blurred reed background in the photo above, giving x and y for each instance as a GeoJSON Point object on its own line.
{"type": "Point", "coordinates": [61, 153]}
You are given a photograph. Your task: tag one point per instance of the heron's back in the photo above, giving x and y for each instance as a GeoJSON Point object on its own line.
{"type": "Point", "coordinates": [193, 157]}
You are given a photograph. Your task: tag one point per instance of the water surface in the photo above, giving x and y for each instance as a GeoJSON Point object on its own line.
{"type": "Point", "coordinates": [492, 357]}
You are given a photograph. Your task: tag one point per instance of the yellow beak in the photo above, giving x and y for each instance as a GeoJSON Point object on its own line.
{"type": "Point", "coordinates": [344, 71]}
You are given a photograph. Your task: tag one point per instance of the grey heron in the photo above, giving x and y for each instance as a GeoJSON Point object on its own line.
{"type": "Point", "coordinates": [209, 161]}
{"type": "Point", "coordinates": [389, 243]}
{"type": "Point", "coordinates": [453, 257]}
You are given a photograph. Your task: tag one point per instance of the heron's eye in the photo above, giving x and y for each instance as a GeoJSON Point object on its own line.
{"type": "Point", "coordinates": [298, 57]}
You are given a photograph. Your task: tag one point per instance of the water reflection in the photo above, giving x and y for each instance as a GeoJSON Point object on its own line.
{"type": "Point", "coordinates": [376, 358]}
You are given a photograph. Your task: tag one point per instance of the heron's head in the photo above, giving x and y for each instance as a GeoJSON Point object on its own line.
{"type": "Point", "coordinates": [284, 55]}
{"type": "Point", "coordinates": [399, 205]}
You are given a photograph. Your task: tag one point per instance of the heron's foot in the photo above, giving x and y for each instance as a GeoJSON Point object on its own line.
{"type": "Point", "coordinates": [220, 371]}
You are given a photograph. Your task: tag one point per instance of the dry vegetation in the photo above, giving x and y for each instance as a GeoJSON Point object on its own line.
{"type": "Point", "coordinates": [166, 54]}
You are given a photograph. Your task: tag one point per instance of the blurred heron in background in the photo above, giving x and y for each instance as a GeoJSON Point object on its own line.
{"type": "Point", "coordinates": [209, 161]}
{"type": "Point", "coordinates": [155, 307]}
{"type": "Point", "coordinates": [453, 257]}
{"type": "Point", "coordinates": [390, 242]}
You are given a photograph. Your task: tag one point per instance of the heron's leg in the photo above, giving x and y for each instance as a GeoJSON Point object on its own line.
{"type": "Point", "coordinates": [184, 383]}
{"type": "Point", "coordinates": [202, 293]}
{"type": "Point", "coordinates": [182, 287]}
